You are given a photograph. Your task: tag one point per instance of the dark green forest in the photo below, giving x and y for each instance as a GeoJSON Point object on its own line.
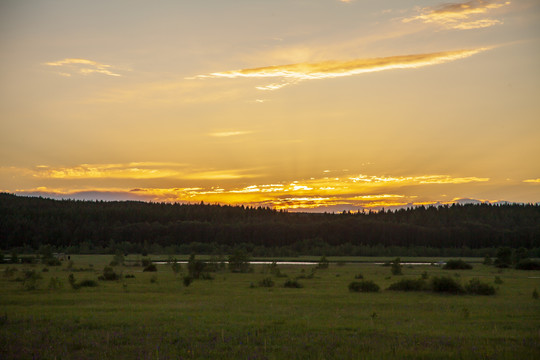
{"type": "Point", "coordinates": [74, 226]}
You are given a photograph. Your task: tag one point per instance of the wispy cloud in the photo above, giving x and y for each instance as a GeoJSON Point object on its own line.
{"type": "Point", "coordinates": [293, 73]}
{"type": "Point", "coordinates": [71, 66]}
{"type": "Point", "coordinates": [229, 133]}
{"type": "Point", "coordinates": [463, 16]}
{"type": "Point", "coordinates": [134, 171]}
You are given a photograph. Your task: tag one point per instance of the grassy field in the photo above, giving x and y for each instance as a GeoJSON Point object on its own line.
{"type": "Point", "coordinates": [155, 316]}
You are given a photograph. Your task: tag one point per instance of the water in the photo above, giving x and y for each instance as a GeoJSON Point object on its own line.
{"type": "Point", "coordinates": [304, 263]}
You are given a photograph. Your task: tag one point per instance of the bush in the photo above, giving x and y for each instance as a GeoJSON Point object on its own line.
{"type": "Point", "coordinates": [153, 279]}
{"type": "Point", "coordinates": [109, 274]}
{"type": "Point", "coordinates": [266, 282]}
{"type": "Point", "coordinates": [176, 267]}
{"type": "Point", "coordinates": [292, 284]}
{"type": "Point", "coordinates": [476, 287]}
{"type": "Point", "coordinates": [528, 264]}
{"type": "Point", "coordinates": [88, 283]}
{"type": "Point", "coordinates": [72, 282]}
{"type": "Point", "coordinates": [498, 280]}
{"type": "Point", "coordinates": [535, 294]}
{"type": "Point", "coordinates": [323, 263]}
{"type": "Point", "coordinates": [409, 285]}
{"type": "Point", "coordinates": [187, 280]}
{"type": "Point", "coordinates": [359, 276]}
{"type": "Point", "coordinates": [457, 265]}
{"type": "Point", "coordinates": [239, 262]}
{"type": "Point", "coordinates": [150, 268]}
{"type": "Point", "coordinates": [425, 275]}
{"type": "Point", "coordinates": [130, 276]}
{"type": "Point", "coordinates": [396, 267]}
{"type": "Point", "coordinates": [446, 284]}
{"type": "Point", "coordinates": [145, 262]}
{"type": "Point", "coordinates": [364, 286]}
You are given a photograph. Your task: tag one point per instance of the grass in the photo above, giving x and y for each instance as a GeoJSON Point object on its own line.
{"type": "Point", "coordinates": [225, 318]}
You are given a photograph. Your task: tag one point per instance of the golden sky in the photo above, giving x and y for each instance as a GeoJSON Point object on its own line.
{"type": "Point", "coordinates": [320, 105]}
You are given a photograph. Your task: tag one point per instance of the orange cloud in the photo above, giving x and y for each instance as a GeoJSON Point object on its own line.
{"type": "Point", "coordinates": [294, 73]}
{"type": "Point", "coordinates": [135, 170]}
{"type": "Point", "coordinates": [462, 16]}
{"type": "Point", "coordinates": [82, 66]}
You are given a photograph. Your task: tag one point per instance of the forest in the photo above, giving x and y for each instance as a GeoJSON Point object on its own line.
{"type": "Point", "coordinates": [74, 226]}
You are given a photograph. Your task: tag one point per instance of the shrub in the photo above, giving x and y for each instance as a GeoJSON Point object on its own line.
{"type": "Point", "coordinates": [187, 280]}
{"type": "Point", "coordinates": [323, 263]}
{"type": "Point", "coordinates": [528, 264]}
{"type": "Point", "coordinates": [146, 261]}
{"type": "Point", "coordinates": [535, 294]}
{"type": "Point", "coordinates": [425, 275]}
{"type": "Point", "coordinates": [359, 276]}
{"type": "Point", "coordinates": [476, 287]}
{"type": "Point", "coordinates": [408, 285]}
{"type": "Point", "coordinates": [364, 286]}
{"type": "Point", "coordinates": [153, 279]}
{"type": "Point", "coordinates": [498, 280]}
{"type": "Point", "coordinates": [446, 284]}
{"type": "Point", "coordinates": [292, 284]}
{"type": "Point", "coordinates": [130, 276]}
{"type": "Point", "coordinates": [195, 267]}
{"type": "Point", "coordinates": [72, 282]}
{"type": "Point", "coordinates": [504, 257]}
{"type": "Point", "coordinates": [109, 274]}
{"type": "Point", "coordinates": [457, 265]}
{"type": "Point", "coordinates": [266, 282]}
{"type": "Point", "coordinates": [150, 268]}
{"type": "Point", "coordinates": [396, 267]}
{"type": "Point", "coordinates": [239, 262]}
{"type": "Point", "coordinates": [487, 260]}
{"type": "Point", "coordinates": [88, 283]}
{"type": "Point", "coordinates": [118, 259]}
{"type": "Point", "coordinates": [176, 267]}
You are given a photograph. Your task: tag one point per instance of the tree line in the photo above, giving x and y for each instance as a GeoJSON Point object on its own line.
{"type": "Point", "coordinates": [97, 226]}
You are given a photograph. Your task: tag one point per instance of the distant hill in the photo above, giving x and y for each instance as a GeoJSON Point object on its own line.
{"type": "Point", "coordinates": [72, 225]}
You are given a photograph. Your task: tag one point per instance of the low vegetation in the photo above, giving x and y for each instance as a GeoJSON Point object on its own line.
{"type": "Point", "coordinates": [457, 265]}
{"type": "Point", "coordinates": [253, 314]}
{"type": "Point", "coordinates": [364, 286]}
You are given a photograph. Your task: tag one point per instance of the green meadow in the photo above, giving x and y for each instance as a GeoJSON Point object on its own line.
{"type": "Point", "coordinates": [154, 315]}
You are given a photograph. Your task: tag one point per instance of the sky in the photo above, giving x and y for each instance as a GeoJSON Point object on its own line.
{"type": "Point", "coordinates": [298, 105]}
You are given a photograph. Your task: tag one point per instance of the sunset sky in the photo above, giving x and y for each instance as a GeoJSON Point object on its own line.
{"type": "Point", "coordinates": [305, 105]}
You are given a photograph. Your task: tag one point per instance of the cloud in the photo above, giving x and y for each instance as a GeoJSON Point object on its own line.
{"type": "Point", "coordinates": [229, 133]}
{"type": "Point", "coordinates": [82, 66]}
{"type": "Point", "coordinates": [463, 16]}
{"type": "Point", "coordinates": [133, 171]}
{"type": "Point", "coordinates": [533, 181]}
{"type": "Point", "coordinates": [294, 73]}
{"type": "Point", "coordinates": [360, 191]}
